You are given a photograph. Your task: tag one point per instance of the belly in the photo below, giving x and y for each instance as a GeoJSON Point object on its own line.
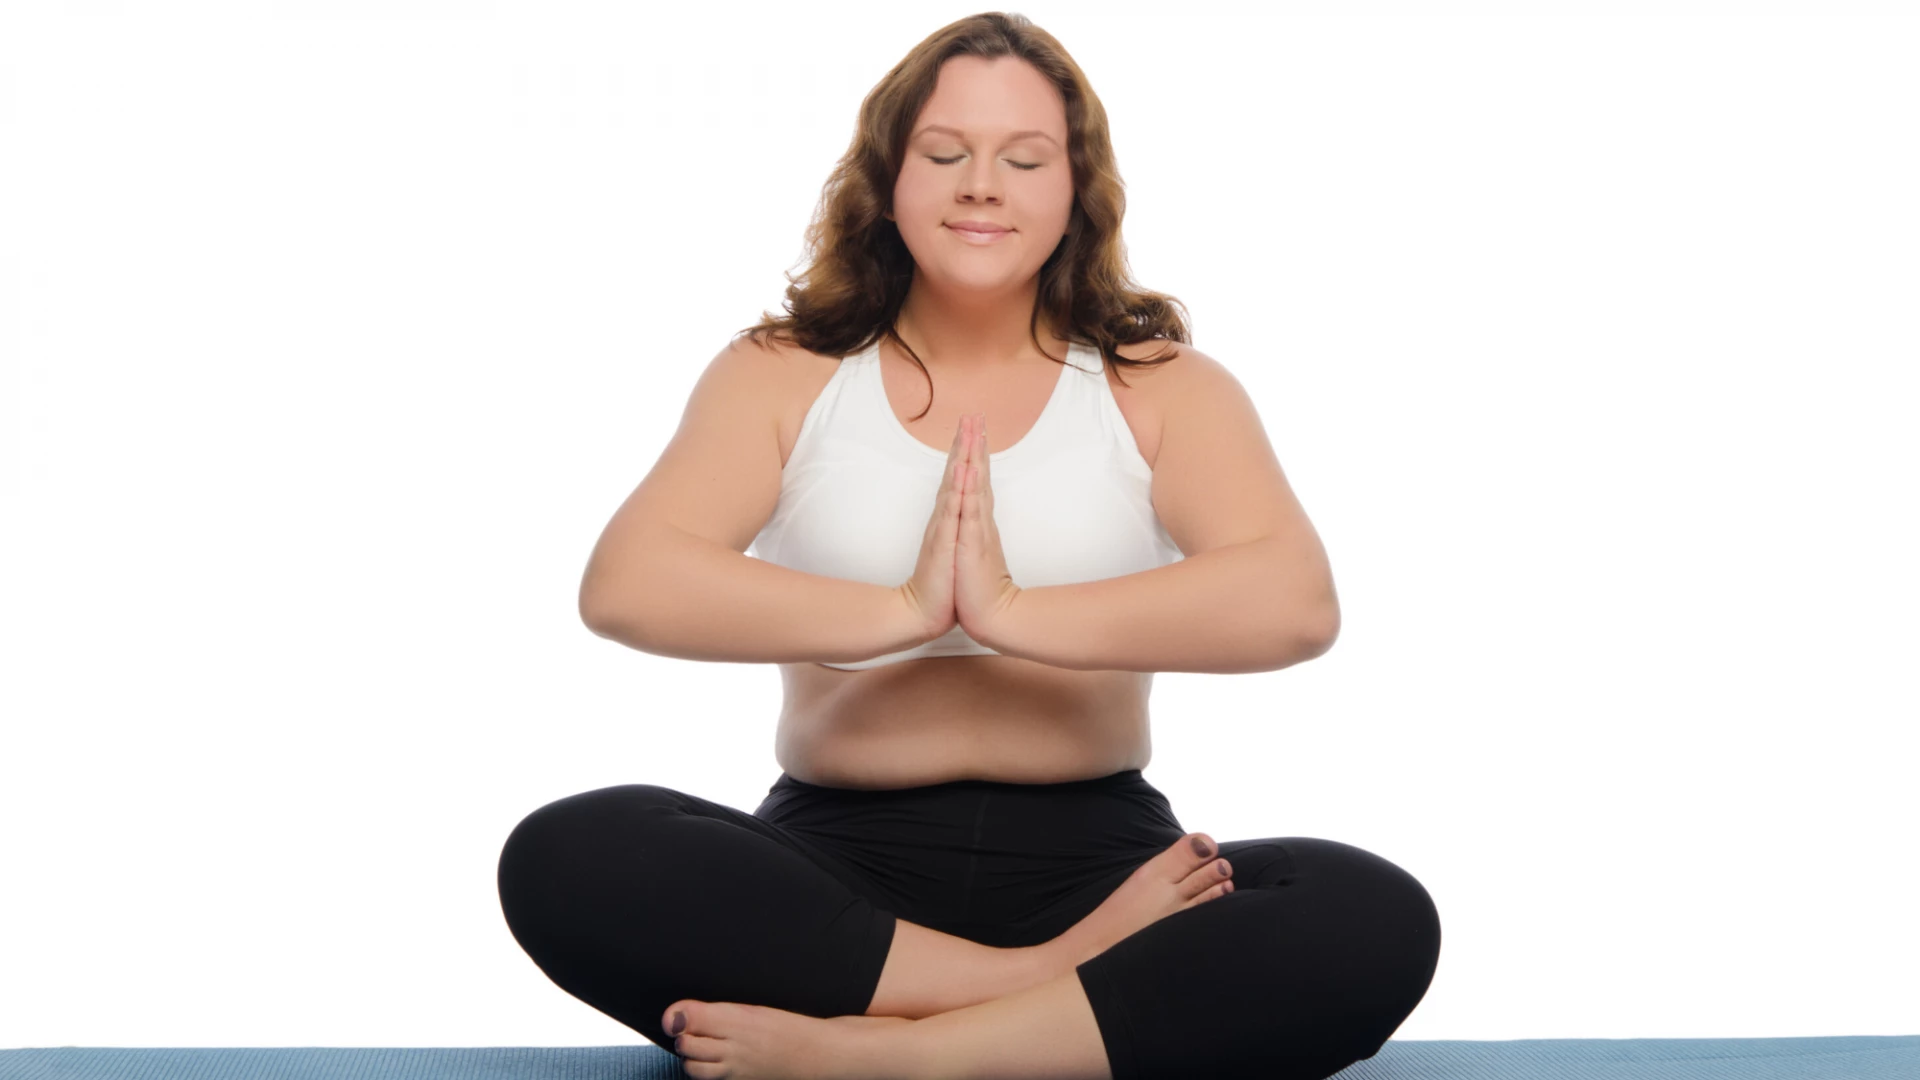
{"type": "Point", "coordinates": [941, 718]}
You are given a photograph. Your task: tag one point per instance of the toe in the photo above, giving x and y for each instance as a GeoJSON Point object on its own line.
{"type": "Point", "coordinates": [698, 1047]}
{"type": "Point", "coordinates": [1206, 877]}
{"type": "Point", "coordinates": [1200, 847]}
{"type": "Point", "coordinates": [690, 1015]}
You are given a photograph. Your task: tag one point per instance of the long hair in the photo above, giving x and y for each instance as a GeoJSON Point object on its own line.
{"type": "Point", "coordinates": [859, 268]}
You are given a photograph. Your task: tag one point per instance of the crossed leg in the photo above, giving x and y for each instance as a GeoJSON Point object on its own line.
{"type": "Point", "coordinates": [1018, 1012]}
{"type": "Point", "coordinates": [1309, 967]}
{"type": "Point", "coordinates": [1315, 958]}
{"type": "Point", "coordinates": [1044, 1032]}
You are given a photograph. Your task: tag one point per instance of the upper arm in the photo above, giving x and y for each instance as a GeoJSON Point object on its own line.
{"type": "Point", "coordinates": [718, 477]}
{"type": "Point", "coordinates": [1216, 478]}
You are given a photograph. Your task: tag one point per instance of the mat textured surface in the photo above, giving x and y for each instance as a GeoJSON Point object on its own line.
{"type": "Point", "coordinates": [1835, 1057]}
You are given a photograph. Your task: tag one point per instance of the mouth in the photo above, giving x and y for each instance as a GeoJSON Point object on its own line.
{"type": "Point", "coordinates": [980, 236]}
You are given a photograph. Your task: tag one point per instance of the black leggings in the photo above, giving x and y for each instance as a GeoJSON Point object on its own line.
{"type": "Point", "coordinates": [635, 896]}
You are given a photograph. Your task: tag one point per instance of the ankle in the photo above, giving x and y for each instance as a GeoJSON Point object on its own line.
{"type": "Point", "coordinates": [1052, 959]}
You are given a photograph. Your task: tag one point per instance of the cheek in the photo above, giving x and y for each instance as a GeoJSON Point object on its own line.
{"type": "Point", "coordinates": [1057, 195]}
{"type": "Point", "coordinates": [913, 193]}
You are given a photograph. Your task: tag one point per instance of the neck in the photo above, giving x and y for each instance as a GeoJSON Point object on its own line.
{"type": "Point", "coordinates": [973, 330]}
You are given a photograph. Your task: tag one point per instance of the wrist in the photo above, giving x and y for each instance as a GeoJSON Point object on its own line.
{"type": "Point", "coordinates": [910, 621]}
{"type": "Point", "coordinates": [1001, 631]}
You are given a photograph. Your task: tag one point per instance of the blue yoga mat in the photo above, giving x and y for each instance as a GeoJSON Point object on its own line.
{"type": "Point", "coordinates": [1836, 1057]}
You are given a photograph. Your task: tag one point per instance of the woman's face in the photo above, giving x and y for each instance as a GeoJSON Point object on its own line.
{"type": "Point", "coordinates": [989, 146]}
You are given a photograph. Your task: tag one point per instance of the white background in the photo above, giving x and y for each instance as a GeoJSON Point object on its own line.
{"type": "Point", "coordinates": [336, 332]}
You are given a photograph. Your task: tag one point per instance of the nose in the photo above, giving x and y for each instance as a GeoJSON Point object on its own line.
{"type": "Point", "coordinates": [979, 181]}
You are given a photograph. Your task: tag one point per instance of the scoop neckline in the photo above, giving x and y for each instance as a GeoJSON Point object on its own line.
{"type": "Point", "coordinates": [996, 456]}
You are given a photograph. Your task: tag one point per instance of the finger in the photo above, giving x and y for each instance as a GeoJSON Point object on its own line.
{"type": "Point", "coordinates": [970, 506]}
{"type": "Point", "coordinates": [980, 454]}
{"type": "Point", "coordinates": [956, 454]}
{"type": "Point", "coordinates": [955, 508]}
{"type": "Point", "coordinates": [960, 469]}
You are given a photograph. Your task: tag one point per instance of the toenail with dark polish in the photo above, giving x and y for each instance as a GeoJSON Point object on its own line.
{"type": "Point", "coordinates": [1222, 864]}
{"type": "Point", "coordinates": [679, 1024]}
{"type": "Point", "coordinates": [1199, 846]}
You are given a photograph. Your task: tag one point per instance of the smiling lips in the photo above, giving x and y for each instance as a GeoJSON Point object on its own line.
{"type": "Point", "coordinates": [978, 232]}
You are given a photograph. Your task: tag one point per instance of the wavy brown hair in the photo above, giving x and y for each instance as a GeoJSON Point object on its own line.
{"type": "Point", "coordinates": [859, 270]}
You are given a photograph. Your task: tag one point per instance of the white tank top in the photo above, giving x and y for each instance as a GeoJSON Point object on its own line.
{"type": "Point", "coordinates": [1071, 498]}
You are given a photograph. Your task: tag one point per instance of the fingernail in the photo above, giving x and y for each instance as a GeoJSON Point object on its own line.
{"type": "Point", "coordinates": [1199, 846]}
{"type": "Point", "coordinates": [679, 1023]}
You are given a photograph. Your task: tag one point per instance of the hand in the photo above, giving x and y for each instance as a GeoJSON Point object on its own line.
{"type": "Point", "coordinates": [929, 592]}
{"type": "Point", "coordinates": [983, 590]}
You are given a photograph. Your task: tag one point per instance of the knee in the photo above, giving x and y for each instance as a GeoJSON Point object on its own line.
{"type": "Point", "coordinates": [583, 819]}
{"type": "Point", "coordinates": [1380, 893]}
{"type": "Point", "coordinates": [547, 854]}
{"type": "Point", "coordinates": [1387, 922]}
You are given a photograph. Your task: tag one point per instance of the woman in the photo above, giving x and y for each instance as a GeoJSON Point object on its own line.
{"type": "Point", "coordinates": [961, 870]}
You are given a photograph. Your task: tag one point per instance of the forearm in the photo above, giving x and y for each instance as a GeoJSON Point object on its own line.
{"type": "Point", "coordinates": [694, 599]}
{"type": "Point", "coordinates": [1235, 609]}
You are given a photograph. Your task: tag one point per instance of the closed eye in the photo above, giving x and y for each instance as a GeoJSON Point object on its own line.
{"type": "Point", "coordinates": [951, 160]}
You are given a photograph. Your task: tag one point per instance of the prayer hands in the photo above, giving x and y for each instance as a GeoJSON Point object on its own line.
{"type": "Point", "coordinates": [983, 590]}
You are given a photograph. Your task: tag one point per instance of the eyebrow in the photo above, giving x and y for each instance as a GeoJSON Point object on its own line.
{"type": "Point", "coordinates": [1015, 137]}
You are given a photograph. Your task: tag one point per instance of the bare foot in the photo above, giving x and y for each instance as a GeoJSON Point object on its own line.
{"type": "Point", "coordinates": [1185, 875]}
{"type": "Point", "coordinates": [754, 1042]}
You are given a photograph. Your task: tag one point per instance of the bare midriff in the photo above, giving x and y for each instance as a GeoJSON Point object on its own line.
{"type": "Point", "coordinates": [940, 718]}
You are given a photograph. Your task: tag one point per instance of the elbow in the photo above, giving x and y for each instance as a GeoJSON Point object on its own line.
{"type": "Point", "coordinates": [619, 627]}
{"type": "Point", "coordinates": [603, 618]}
{"type": "Point", "coordinates": [1329, 629]}
{"type": "Point", "coordinates": [1300, 642]}
{"type": "Point", "coordinates": [591, 616]}
{"type": "Point", "coordinates": [608, 597]}
{"type": "Point", "coordinates": [590, 604]}
{"type": "Point", "coordinates": [1317, 635]}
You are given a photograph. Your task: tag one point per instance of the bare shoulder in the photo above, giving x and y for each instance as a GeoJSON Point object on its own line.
{"type": "Point", "coordinates": [1158, 381]}
{"type": "Point", "coordinates": [1151, 349]}
{"type": "Point", "coordinates": [1192, 382]}
{"type": "Point", "coordinates": [796, 376]}
{"type": "Point", "coordinates": [1141, 398]}
{"type": "Point", "coordinates": [769, 354]}
{"type": "Point", "coordinates": [1188, 367]}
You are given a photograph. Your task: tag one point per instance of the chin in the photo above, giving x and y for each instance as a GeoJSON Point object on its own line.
{"type": "Point", "coordinates": [997, 281]}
